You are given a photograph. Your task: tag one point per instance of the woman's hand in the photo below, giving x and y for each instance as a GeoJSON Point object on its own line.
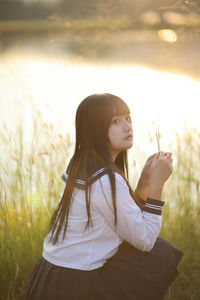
{"type": "Point", "coordinates": [161, 169]}
{"type": "Point", "coordinates": [142, 189]}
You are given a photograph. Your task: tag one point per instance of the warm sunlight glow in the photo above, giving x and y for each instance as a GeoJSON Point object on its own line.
{"type": "Point", "coordinates": [167, 35]}
{"type": "Point", "coordinates": [156, 99]}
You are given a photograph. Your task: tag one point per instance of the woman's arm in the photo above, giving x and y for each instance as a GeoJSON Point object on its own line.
{"type": "Point", "coordinates": [155, 172]}
{"type": "Point", "coordinates": [142, 189]}
{"type": "Point", "coordinates": [139, 228]}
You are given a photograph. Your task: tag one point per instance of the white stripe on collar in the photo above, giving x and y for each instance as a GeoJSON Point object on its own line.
{"type": "Point", "coordinates": [82, 182]}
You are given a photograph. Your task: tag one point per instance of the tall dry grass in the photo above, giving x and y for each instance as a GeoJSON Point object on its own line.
{"type": "Point", "coordinates": [181, 219]}
{"type": "Point", "coordinates": [30, 189]}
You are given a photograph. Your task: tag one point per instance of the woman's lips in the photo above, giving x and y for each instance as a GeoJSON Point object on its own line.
{"type": "Point", "coordinates": [128, 137]}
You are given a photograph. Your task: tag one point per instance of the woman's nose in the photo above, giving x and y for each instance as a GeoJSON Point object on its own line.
{"type": "Point", "coordinates": [127, 126]}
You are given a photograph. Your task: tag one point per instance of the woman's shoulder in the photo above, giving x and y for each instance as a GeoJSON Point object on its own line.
{"type": "Point", "coordinates": [107, 177]}
{"type": "Point", "coordinates": [101, 175]}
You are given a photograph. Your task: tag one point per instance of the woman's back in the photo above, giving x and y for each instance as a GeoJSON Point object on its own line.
{"type": "Point", "coordinates": [81, 248]}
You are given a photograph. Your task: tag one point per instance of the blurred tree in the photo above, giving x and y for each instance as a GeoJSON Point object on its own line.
{"type": "Point", "coordinates": [39, 9]}
{"type": "Point", "coordinates": [41, 2]}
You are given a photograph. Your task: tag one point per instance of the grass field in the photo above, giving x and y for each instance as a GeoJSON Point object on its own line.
{"type": "Point", "coordinates": [30, 189]}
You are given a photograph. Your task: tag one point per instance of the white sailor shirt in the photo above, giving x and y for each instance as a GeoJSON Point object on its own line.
{"type": "Point", "coordinates": [89, 249]}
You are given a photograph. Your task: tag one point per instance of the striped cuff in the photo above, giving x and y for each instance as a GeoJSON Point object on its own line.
{"type": "Point", "coordinates": [138, 200]}
{"type": "Point", "coordinates": [153, 206]}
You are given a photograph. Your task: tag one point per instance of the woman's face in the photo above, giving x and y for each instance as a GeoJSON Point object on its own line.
{"type": "Point", "coordinates": [120, 134]}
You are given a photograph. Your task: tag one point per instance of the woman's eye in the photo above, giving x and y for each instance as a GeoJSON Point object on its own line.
{"type": "Point", "coordinates": [129, 119]}
{"type": "Point", "coordinates": [116, 121]}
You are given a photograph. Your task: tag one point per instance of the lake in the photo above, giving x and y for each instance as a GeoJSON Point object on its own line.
{"type": "Point", "coordinates": [157, 76]}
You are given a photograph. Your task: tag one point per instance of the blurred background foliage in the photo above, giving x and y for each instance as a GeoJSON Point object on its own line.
{"type": "Point", "coordinates": [78, 9]}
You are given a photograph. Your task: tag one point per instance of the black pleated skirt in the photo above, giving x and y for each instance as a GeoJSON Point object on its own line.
{"type": "Point", "coordinates": [129, 275]}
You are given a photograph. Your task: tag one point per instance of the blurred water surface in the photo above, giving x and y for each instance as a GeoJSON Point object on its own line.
{"type": "Point", "coordinates": [156, 72]}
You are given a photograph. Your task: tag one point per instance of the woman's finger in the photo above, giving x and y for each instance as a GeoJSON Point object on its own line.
{"type": "Point", "coordinates": [167, 154]}
{"type": "Point", "coordinates": [151, 157]}
{"type": "Point", "coordinates": [160, 155]}
{"type": "Point", "coordinates": [168, 157]}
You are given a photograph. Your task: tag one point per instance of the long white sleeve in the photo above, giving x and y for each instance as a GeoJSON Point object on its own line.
{"type": "Point", "coordinates": [139, 228]}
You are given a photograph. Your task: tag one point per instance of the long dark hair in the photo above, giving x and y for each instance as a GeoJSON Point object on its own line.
{"type": "Point", "coordinates": [93, 118]}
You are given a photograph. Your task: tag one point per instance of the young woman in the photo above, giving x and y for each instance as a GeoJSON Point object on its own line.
{"type": "Point", "coordinates": [103, 238]}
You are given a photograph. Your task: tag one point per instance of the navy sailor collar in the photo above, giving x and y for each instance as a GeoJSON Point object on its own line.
{"type": "Point", "coordinates": [82, 183]}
